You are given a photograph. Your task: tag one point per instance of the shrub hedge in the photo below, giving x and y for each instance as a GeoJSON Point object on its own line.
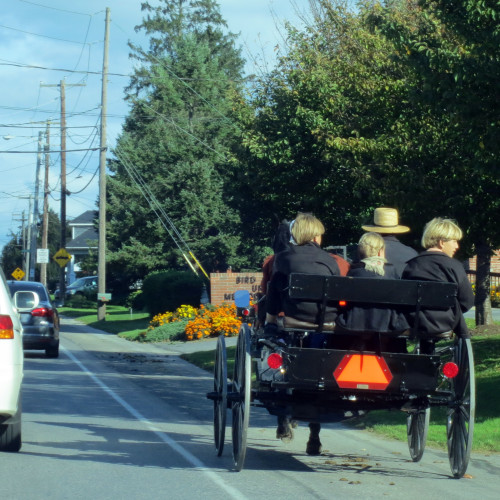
{"type": "Point", "coordinates": [168, 290]}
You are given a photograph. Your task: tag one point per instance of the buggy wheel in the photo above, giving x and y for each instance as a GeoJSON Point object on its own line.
{"type": "Point", "coordinates": [417, 426]}
{"type": "Point", "coordinates": [220, 401]}
{"type": "Point", "coordinates": [241, 388]}
{"type": "Point", "coordinates": [461, 409]}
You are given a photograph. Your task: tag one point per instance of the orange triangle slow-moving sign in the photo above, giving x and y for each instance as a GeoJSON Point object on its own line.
{"type": "Point", "coordinates": [363, 371]}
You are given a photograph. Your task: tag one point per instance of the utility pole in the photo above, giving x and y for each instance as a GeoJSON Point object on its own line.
{"type": "Point", "coordinates": [45, 219]}
{"type": "Point", "coordinates": [101, 264]}
{"type": "Point", "coordinates": [64, 192]}
{"type": "Point", "coordinates": [62, 280]}
{"type": "Point", "coordinates": [24, 247]}
{"type": "Point", "coordinates": [34, 226]}
{"type": "Point", "coordinates": [27, 240]}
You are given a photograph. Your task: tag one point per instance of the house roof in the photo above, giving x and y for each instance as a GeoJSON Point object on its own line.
{"type": "Point", "coordinates": [86, 218]}
{"type": "Point", "coordinates": [82, 241]}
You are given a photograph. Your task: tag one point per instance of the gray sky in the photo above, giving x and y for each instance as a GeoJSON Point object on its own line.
{"type": "Point", "coordinates": [45, 41]}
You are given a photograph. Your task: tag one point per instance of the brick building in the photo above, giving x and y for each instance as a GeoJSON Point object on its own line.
{"type": "Point", "coordinates": [495, 263]}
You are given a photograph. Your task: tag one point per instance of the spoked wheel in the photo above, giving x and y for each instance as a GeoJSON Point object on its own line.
{"type": "Point", "coordinates": [417, 426]}
{"type": "Point", "coordinates": [220, 389]}
{"type": "Point", "coordinates": [241, 388]}
{"type": "Point", "coordinates": [461, 409]}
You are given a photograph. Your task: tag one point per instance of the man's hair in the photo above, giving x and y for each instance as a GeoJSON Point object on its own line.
{"type": "Point", "coordinates": [306, 227]}
{"type": "Point", "coordinates": [370, 245]}
{"type": "Point", "coordinates": [439, 229]}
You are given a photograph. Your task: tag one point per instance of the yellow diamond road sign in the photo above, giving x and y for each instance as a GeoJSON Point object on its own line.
{"type": "Point", "coordinates": [62, 257]}
{"type": "Point", "coordinates": [18, 274]}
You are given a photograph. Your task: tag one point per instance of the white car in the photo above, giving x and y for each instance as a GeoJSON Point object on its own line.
{"type": "Point", "coordinates": [11, 371]}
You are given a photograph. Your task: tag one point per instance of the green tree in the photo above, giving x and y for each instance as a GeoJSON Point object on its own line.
{"type": "Point", "coordinates": [452, 49]}
{"type": "Point", "coordinates": [12, 256]}
{"type": "Point", "coordinates": [174, 144]}
{"type": "Point", "coordinates": [318, 131]}
{"type": "Point", "coordinates": [395, 105]}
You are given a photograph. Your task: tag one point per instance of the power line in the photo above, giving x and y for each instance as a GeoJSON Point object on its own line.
{"type": "Point", "coordinates": [32, 124]}
{"type": "Point", "coordinates": [86, 185]}
{"type": "Point", "coordinates": [171, 121]}
{"type": "Point", "coordinates": [159, 211]}
{"type": "Point", "coordinates": [6, 62]}
{"type": "Point", "coordinates": [45, 36]}
{"type": "Point", "coordinates": [54, 8]}
{"type": "Point", "coordinates": [53, 151]}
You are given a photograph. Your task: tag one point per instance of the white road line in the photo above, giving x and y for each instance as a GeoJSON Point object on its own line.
{"type": "Point", "coordinates": [234, 493]}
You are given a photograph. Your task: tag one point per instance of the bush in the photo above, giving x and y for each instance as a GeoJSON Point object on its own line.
{"type": "Point", "coordinates": [168, 290]}
{"type": "Point", "coordinates": [163, 333]}
{"type": "Point", "coordinates": [79, 301]}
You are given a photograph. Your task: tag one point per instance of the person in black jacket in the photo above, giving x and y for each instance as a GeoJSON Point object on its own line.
{"type": "Point", "coordinates": [440, 239]}
{"type": "Point", "coordinates": [303, 255]}
{"type": "Point", "coordinates": [366, 319]}
{"type": "Point", "coordinates": [386, 223]}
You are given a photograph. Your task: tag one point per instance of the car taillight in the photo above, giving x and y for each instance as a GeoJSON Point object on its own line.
{"type": "Point", "coordinates": [6, 327]}
{"type": "Point", "coordinates": [342, 303]}
{"type": "Point", "coordinates": [43, 312]}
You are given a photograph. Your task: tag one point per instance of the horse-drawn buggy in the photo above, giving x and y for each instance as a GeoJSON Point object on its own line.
{"type": "Point", "coordinates": [350, 373]}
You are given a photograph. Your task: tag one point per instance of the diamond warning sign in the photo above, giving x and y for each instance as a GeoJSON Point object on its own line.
{"type": "Point", "coordinates": [62, 257]}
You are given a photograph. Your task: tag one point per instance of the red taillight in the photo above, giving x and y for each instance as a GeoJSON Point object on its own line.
{"type": "Point", "coordinates": [43, 312]}
{"type": "Point", "coordinates": [274, 361]}
{"type": "Point", "coordinates": [245, 312]}
{"type": "Point", "coordinates": [342, 303]}
{"type": "Point", "coordinates": [6, 327]}
{"type": "Point", "coordinates": [450, 370]}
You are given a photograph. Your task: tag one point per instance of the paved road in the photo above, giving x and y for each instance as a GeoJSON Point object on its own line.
{"type": "Point", "coordinates": [495, 312]}
{"type": "Point", "coordinates": [113, 419]}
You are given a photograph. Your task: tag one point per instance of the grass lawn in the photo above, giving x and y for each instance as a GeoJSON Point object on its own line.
{"type": "Point", "coordinates": [486, 346]}
{"type": "Point", "coordinates": [118, 319]}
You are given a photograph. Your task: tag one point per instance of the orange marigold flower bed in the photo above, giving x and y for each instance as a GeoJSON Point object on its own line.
{"type": "Point", "coordinates": [213, 321]}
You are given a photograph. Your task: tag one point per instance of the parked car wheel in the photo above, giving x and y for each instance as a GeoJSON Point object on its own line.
{"type": "Point", "coordinates": [10, 433]}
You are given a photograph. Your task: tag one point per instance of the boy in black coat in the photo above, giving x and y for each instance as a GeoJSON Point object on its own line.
{"type": "Point", "coordinates": [440, 239]}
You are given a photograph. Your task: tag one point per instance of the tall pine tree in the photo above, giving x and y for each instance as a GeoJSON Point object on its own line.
{"type": "Point", "coordinates": [176, 138]}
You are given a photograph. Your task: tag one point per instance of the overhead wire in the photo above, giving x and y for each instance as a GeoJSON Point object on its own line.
{"type": "Point", "coordinates": [88, 183]}
{"type": "Point", "coordinates": [159, 211]}
{"type": "Point", "coordinates": [171, 121]}
{"type": "Point", "coordinates": [42, 36]}
{"type": "Point", "coordinates": [53, 8]}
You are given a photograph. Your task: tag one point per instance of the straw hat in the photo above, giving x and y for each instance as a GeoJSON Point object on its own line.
{"type": "Point", "coordinates": [386, 221]}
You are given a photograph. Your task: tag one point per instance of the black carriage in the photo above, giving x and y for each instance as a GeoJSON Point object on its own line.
{"type": "Point", "coordinates": [344, 379]}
